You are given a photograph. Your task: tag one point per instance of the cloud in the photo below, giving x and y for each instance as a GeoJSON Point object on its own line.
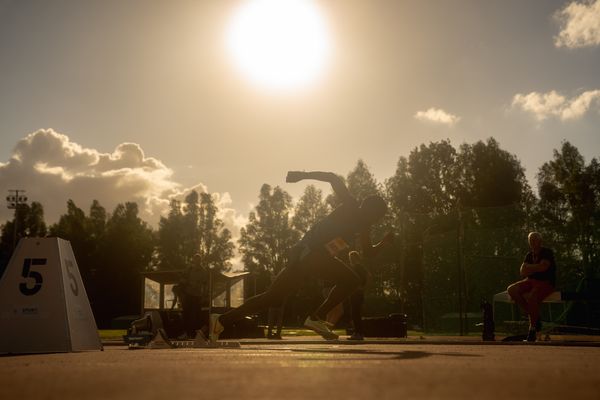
{"type": "Point", "coordinates": [437, 116]}
{"type": "Point", "coordinates": [231, 218]}
{"type": "Point", "coordinates": [53, 169]}
{"type": "Point", "coordinates": [553, 104]}
{"type": "Point", "coordinates": [579, 25]}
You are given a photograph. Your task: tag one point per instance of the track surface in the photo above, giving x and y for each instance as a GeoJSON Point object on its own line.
{"type": "Point", "coordinates": [317, 370]}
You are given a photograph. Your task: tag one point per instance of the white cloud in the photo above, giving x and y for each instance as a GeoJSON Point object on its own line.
{"type": "Point", "coordinates": [579, 25]}
{"type": "Point", "coordinates": [231, 218]}
{"type": "Point", "coordinates": [553, 104]}
{"type": "Point", "coordinates": [229, 215]}
{"type": "Point", "coordinates": [437, 116]}
{"type": "Point", "coordinates": [53, 169]}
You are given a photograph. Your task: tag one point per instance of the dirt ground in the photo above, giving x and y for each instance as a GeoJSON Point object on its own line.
{"type": "Point", "coordinates": [310, 370]}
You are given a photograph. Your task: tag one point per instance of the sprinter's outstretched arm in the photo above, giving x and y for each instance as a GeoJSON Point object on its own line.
{"type": "Point", "coordinates": [336, 182]}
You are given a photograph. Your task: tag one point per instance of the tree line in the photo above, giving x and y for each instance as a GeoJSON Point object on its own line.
{"type": "Point", "coordinates": [460, 218]}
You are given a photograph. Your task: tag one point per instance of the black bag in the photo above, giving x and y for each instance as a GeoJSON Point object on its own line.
{"type": "Point", "coordinates": [392, 326]}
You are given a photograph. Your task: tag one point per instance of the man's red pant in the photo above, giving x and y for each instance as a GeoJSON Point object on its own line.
{"type": "Point", "coordinates": [529, 294]}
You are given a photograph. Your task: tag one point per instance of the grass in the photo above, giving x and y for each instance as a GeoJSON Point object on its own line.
{"type": "Point", "coordinates": [112, 334]}
{"type": "Point", "coordinates": [342, 332]}
{"type": "Point", "coordinates": [117, 334]}
{"type": "Point", "coordinates": [305, 332]}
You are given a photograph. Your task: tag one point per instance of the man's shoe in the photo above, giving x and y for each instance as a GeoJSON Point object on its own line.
{"type": "Point", "coordinates": [274, 336]}
{"type": "Point", "coordinates": [320, 327]}
{"type": "Point", "coordinates": [531, 336]}
{"type": "Point", "coordinates": [215, 328]}
{"type": "Point", "coordinates": [356, 336]}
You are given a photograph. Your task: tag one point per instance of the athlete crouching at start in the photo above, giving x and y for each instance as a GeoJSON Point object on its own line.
{"type": "Point", "coordinates": [316, 256]}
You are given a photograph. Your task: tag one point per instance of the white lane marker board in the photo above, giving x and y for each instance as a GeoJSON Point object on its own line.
{"type": "Point", "coordinates": [43, 304]}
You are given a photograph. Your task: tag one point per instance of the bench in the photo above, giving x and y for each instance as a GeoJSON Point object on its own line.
{"type": "Point", "coordinates": [503, 297]}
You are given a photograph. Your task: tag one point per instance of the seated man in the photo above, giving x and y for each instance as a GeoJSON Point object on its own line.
{"type": "Point", "coordinates": [539, 273]}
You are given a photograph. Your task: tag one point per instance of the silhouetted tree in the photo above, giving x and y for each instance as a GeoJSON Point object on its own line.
{"type": "Point", "coordinates": [30, 223]}
{"type": "Point", "coordinates": [267, 238]}
{"type": "Point", "coordinates": [215, 242]}
{"type": "Point", "coordinates": [125, 251]}
{"type": "Point", "coordinates": [489, 176]}
{"type": "Point", "coordinates": [427, 181]}
{"type": "Point", "coordinates": [75, 227]}
{"type": "Point", "coordinates": [453, 208]}
{"type": "Point", "coordinates": [97, 221]}
{"type": "Point", "coordinates": [194, 228]}
{"type": "Point", "coordinates": [569, 211]}
{"type": "Point", "coordinates": [495, 205]}
{"type": "Point", "coordinates": [309, 209]}
{"type": "Point", "coordinates": [171, 238]}
{"type": "Point", "coordinates": [86, 235]}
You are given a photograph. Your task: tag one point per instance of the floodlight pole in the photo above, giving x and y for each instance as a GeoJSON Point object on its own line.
{"type": "Point", "coordinates": [14, 200]}
{"type": "Point", "coordinates": [210, 293]}
{"type": "Point", "coordinates": [462, 285]}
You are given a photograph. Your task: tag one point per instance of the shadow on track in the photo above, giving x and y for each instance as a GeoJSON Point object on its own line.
{"type": "Point", "coordinates": [373, 354]}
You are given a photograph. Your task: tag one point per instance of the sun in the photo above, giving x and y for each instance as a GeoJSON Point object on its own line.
{"type": "Point", "coordinates": [279, 44]}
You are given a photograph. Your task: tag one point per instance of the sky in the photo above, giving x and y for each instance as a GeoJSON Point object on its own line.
{"type": "Point", "coordinates": [127, 100]}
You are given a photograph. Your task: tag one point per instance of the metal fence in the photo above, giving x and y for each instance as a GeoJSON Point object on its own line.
{"type": "Point", "coordinates": [445, 267]}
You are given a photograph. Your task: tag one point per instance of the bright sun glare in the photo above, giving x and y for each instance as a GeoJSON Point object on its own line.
{"type": "Point", "coordinates": [279, 44]}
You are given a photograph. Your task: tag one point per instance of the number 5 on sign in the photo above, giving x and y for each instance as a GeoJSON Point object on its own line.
{"type": "Point", "coordinates": [29, 274]}
{"type": "Point", "coordinates": [72, 279]}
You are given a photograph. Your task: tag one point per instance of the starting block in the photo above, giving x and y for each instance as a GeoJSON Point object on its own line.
{"type": "Point", "coordinates": [140, 333]}
{"type": "Point", "coordinates": [146, 333]}
{"type": "Point", "coordinates": [160, 341]}
{"type": "Point", "coordinates": [201, 342]}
